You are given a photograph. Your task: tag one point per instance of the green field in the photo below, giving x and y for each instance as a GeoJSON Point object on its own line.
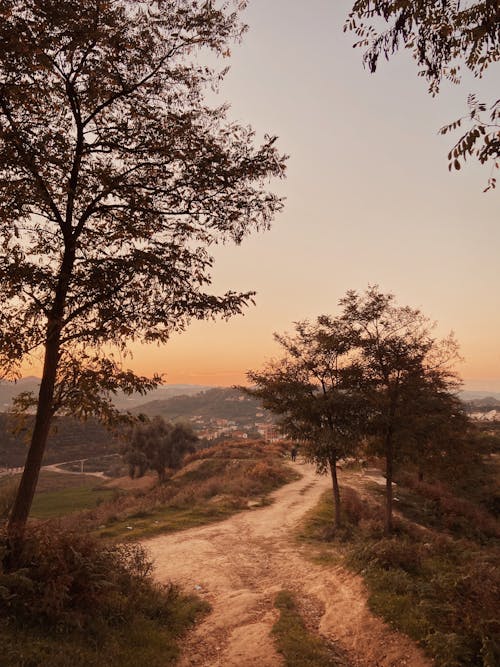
{"type": "Point", "coordinates": [59, 494]}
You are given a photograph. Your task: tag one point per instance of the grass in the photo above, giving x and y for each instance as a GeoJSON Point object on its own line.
{"type": "Point", "coordinates": [161, 521]}
{"type": "Point", "coordinates": [216, 483]}
{"type": "Point", "coordinates": [75, 601]}
{"type": "Point", "coordinates": [50, 505]}
{"type": "Point", "coordinates": [298, 646]}
{"type": "Point", "coordinates": [144, 642]}
{"type": "Point", "coordinates": [439, 588]}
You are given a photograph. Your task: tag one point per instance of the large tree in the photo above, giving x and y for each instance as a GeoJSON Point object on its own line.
{"type": "Point", "coordinates": [157, 445]}
{"type": "Point", "coordinates": [116, 178]}
{"type": "Point", "coordinates": [443, 37]}
{"type": "Point", "coordinates": [316, 389]}
{"type": "Point", "coordinates": [408, 377]}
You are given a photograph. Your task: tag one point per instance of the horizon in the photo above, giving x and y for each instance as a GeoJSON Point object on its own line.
{"type": "Point", "coordinates": [467, 386]}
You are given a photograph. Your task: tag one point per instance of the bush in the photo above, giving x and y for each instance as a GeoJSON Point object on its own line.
{"type": "Point", "coordinates": [74, 601]}
{"type": "Point", "coordinates": [66, 581]}
{"type": "Point", "coordinates": [8, 492]}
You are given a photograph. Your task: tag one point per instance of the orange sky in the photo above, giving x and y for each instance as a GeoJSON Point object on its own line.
{"type": "Point", "coordinates": [369, 200]}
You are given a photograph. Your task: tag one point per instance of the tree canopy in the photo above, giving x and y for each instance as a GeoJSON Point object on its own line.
{"type": "Point", "coordinates": [374, 374]}
{"type": "Point", "coordinates": [405, 369]}
{"type": "Point", "coordinates": [157, 445]}
{"type": "Point", "coordinates": [444, 36]}
{"type": "Point", "coordinates": [316, 390]}
{"type": "Point", "coordinates": [116, 179]}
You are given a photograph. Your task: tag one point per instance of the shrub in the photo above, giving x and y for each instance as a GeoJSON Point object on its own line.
{"type": "Point", "coordinates": [8, 492]}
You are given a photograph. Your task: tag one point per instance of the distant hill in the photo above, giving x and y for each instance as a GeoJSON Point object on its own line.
{"type": "Point", "coordinates": [488, 403]}
{"type": "Point", "coordinates": [69, 440]}
{"type": "Point", "coordinates": [473, 395]}
{"type": "Point", "coordinates": [218, 403]}
{"type": "Point", "coordinates": [8, 390]}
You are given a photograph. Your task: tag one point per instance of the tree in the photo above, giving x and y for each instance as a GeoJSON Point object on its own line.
{"type": "Point", "coordinates": [404, 369]}
{"type": "Point", "coordinates": [316, 390]}
{"type": "Point", "coordinates": [158, 445]}
{"type": "Point", "coordinates": [115, 179]}
{"type": "Point", "coordinates": [434, 434]}
{"type": "Point", "coordinates": [443, 36]}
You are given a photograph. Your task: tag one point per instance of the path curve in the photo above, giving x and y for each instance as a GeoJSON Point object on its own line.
{"type": "Point", "coordinates": [239, 565]}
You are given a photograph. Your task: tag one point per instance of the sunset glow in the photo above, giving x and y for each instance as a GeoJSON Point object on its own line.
{"type": "Point", "coordinates": [369, 196]}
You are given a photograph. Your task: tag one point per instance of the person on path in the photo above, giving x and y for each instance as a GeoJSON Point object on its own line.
{"type": "Point", "coordinates": [293, 453]}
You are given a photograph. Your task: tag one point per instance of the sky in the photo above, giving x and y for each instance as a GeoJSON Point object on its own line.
{"type": "Point", "coordinates": [369, 200]}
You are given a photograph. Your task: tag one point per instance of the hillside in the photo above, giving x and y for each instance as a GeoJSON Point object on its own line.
{"type": "Point", "coordinates": [220, 402]}
{"type": "Point", "coordinates": [8, 390]}
{"type": "Point", "coordinates": [69, 440]}
{"type": "Point", "coordinates": [214, 412]}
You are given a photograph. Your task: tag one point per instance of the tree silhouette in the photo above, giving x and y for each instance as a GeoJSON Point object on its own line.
{"type": "Point", "coordinates": [116, 178]}
{"type": "Point", "coordinates": [443, 36]}
{"type": "Point", "coordinates": [316, 389]}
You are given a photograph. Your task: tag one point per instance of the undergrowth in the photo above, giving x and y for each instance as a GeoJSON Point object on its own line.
{"type": "Point", "coordinates": [72, 600]}
{"type": "Point", "coordinates": [439, 587]}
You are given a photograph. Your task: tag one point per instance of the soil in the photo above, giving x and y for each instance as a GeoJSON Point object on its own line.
{"type": "Point", "coordinates": [240, 564]}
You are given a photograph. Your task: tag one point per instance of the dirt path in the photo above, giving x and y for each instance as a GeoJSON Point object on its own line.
{"type": "Point", "coordinates": [238, 565]}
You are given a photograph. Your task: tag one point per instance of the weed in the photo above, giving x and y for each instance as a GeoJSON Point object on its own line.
{"type": "Point", "coordinates": [299, 647]}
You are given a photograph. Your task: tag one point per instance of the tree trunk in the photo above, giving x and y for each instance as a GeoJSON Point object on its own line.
{"type": "Point", "coordinates": [337, 522]}
{"type": "Point", "coordinates": [26, 491]}
{"type": "Point", "coordinates": [389, 462]}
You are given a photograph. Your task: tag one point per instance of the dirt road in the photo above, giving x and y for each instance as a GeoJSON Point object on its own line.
{"type": "Point", "coordinates": [239, 565]}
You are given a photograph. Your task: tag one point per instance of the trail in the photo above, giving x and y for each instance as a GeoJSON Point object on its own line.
{"type": "Point", "coordinates": [239, 565]}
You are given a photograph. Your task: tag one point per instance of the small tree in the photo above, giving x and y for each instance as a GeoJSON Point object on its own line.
{"type": "Point", "coordinates": [158, 445]}
{"type": "Point", "coordinates": [405, 369]}
{"type": "Point", "coordinates": [443, 36]}
{"type": "Point", "coordinates": [115, 180]}
{"type": "Point", "coordinates": [315, 388]}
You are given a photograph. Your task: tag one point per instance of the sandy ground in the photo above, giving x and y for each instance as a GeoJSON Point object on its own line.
{"type": "Point", "coordinates": [239, 565]}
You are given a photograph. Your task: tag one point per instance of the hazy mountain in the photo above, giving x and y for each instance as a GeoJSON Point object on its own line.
{"type": "Point", "coordinates": [217, 403]}
{"type": "Point", "coordinates": [8, 390]}
{"type": "Point", "coordinates": [483, 404]}
{"type": "Point", "coordinates": [163, 392]}
{"type": "Point", "coordinates": [473, 395]}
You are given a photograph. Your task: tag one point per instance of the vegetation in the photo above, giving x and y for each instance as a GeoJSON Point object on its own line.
{"type": "Point", "coordinates": [116, 179]}
{"type": "Point", "coordinates": [375, 373]}
{"type": "Point", "coordinates": [443, 36]}
{"type": "Point", "coordinates": [437, 580]}
{"type": "Point", "coordinates": [157, 445]}
{"type": "Point", "coordinates": [299, 646]}
{"type": "Point", "coordinates": [73, 598]}
{"type": "Point", "coordinates": [215, 483]}
{"type": "Point", "coordinates": [316, 389]}
{"type": "Point", "coordinates": [68, 440]}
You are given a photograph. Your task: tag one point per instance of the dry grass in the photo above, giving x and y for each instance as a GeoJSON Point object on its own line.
{"type": "Point", "coordinates": [215, 483]}
{"type": "Point", "coordinates": [440, 584]}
